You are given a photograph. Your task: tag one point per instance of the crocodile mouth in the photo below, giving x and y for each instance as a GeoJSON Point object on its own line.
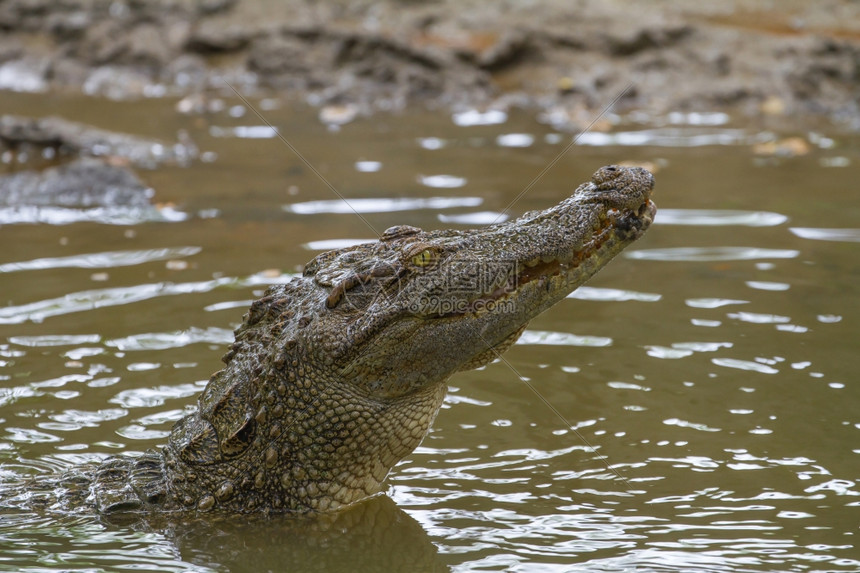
{"type": "Point", "coordinates": [616, 227]}
{"type": "Point", "coordinates": [556, 274]}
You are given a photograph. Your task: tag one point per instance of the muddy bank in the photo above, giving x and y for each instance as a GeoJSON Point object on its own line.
{"type": "Point", "coordinates": [564, 60]}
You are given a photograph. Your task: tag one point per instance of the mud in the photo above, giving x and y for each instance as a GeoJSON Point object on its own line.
{"type": "Point", "coordinates": [565, 60]}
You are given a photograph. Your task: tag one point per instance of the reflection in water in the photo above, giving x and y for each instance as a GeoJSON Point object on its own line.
{"type": "Point", "coordinates": [374, 535]}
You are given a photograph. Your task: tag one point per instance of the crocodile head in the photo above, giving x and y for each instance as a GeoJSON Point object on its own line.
{"type": "Point", "coordinates": [417, 306]}
{"type": "Point", "coordinates": [337, 375]}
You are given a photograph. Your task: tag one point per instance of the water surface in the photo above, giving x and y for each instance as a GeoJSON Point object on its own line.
{"type": "Point", "coordinates": [708, 375]}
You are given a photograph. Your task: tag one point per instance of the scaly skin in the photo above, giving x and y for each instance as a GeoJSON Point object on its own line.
{"type": "Point", "coordinates": [337, 375]}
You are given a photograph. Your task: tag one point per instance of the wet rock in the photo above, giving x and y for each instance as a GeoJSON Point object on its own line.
{"type": "Point", "coordinates": [68, 27]}
{"type": "Point", "coordinates": [84, 183]}
{"type": "Point", "coordinates": [23, 15]}
{"type": "Point", "coordinates": [277, 55]}
{"type": "Point", "coordinates": [630, 41]}
{"type": "Point", "coordinates": [214, 6]}
{"type": "Point", "coordinates": [512, 48]}
{"type": "Point", "coordinates": [148, 46]}
{"type": "Point", "coordinates": [104, 42]}
{"type": "Point", "coordinates": [825, 65]}
{"type": "Point", "coordinates": [76, 138]}
{"type": "Point", "coordinates": [211, 38]}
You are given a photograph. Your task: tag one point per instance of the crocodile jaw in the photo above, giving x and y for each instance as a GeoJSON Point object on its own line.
{"type": "Point", "coordinates": [424, 330]}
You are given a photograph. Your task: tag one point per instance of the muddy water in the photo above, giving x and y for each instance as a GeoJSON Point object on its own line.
{"type": "Point", "coordinates": [709, 373]}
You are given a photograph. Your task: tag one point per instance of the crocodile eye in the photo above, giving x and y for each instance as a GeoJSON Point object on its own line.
{"type": "Point", "coordinates": [424, 258]}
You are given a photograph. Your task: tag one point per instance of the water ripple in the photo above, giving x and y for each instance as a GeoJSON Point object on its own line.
{"type": "Point", "coordinates": [55, 340]}
{"type": "Point", "coordinates": [612, 295]}
{"type": "Point", "coordinates": [474, 117]}
{"type": "Point", "coordinates": [368, 166]}
{"type": "Point", "coordinates": [476, 218]}
{"type": "Point", "coordinates": [380, 205]}
{"type": "Point", "coordinates": [331, 244]}
{"type": "Point", "coordinates": [718, 217]}
{"type": "Point", "coordinates": [744, 365]}
{"type": "Point", "coordinates": [153, 397]}
{"type": "Point", "coordinates": [515, 140]}
{"type": "Point", "coordinates": [176, 339]}
{"type": "Point", "coordinates": [32, 214]}
{"type": "Point", "coordinates": [441, 181]}
{"type": "Point", "coordinates": [244, 131]}
{"type": "Point", "coordinates": [684, 349]}
{"type": "Point", "coordinates": [561, 339]}
{"type": "Point", "coordinates": [70, 420]}
{"type": "Point", "coordinates": [768, 285]}
{"type": "Point", "coordinates": [844, 235]}
{"type": "Point", "coordinates": [712, 302]}
{"type": "Point", "coordinates": [431, 143]}
{"type": "Point", "coordinates": [759, 318]}
{"type": "Point", "coordinates": [30, 436]}
{"type": "Point", "coordinates": [108, 259]}
{"type": "Point", "coordinates": [138, 432]}
{"type": "Point", "coordinates": [693, 425]}
{"type": "Point", "coordinates": [100, 298]}
{"type": "Point", "coordinates": [672, 137]}
{"type": "Point", "coordinates": [707, 254]}
{"type": "Point", "coordinates": [667, 353]}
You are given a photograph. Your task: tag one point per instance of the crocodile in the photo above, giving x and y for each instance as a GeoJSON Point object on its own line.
{"type": "Point", "coordinates": [338, 374]}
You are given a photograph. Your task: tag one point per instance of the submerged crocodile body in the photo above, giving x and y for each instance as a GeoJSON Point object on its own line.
{"type": "Point", "coordinates": [337, 375]}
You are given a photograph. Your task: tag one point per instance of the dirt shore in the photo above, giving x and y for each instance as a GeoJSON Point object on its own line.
{"type": "Point", "coordinates": [565, 60]}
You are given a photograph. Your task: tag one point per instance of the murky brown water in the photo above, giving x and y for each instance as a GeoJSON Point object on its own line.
{"type": "Point", "coordinates": [713, 366]}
